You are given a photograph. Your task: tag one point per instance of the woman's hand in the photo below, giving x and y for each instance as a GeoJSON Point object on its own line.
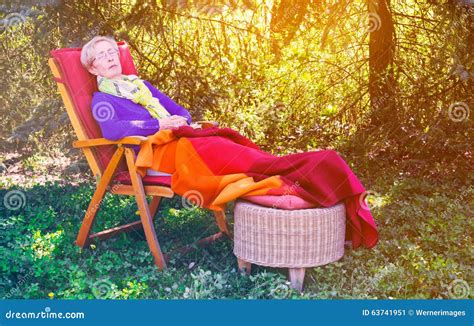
{"type": "Point", "coordinates": [173, 122]}
{"type": "Point", "coordinates": [138, 137]}
{"type": "Point", "coordinates": [196, 125]}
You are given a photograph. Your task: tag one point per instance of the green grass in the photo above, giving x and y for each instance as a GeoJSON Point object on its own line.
{"type": "Point", "coordinates": [424, 251]}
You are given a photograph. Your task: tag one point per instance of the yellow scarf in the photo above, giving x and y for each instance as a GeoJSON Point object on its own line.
{"type": "Point", "coordinates": [133, 88]}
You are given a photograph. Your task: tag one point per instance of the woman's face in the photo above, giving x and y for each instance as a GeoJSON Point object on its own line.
{"type": "Point", "coordinates": [106, 62]}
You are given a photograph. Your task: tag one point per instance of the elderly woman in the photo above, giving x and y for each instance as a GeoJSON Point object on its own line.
{"type": "Point", "coordinates": [139, 109]}
{"type": "Point", "coordinates": [217, 163]}
{"type": "Point", "coordinates": [126, 105]}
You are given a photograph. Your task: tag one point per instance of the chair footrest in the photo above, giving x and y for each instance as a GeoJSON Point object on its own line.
{"type": "Point", "coordinates": [105, 234]}
{"type": "Point", "coordinates": [201, 242]}
{"type": "Point", "coordinates": [102, 235]}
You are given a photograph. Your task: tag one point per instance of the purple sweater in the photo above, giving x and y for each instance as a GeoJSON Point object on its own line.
{"type": "Point", "coordinates": [132, 119]}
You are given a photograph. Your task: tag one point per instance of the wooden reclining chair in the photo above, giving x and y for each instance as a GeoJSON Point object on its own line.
{"type": "Point", "coordinates": [105, 157]}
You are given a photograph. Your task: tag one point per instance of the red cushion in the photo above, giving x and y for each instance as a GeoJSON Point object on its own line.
{"type": "Point", "coordinates": [81, 85]}
{"type": "Point", "coordinates": [288, 202]}
{"type": "Point", "coordinates": [148, 180]}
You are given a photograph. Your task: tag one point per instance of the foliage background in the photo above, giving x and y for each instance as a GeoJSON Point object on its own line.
{"type": "Point", "coordinates": [289, 85]}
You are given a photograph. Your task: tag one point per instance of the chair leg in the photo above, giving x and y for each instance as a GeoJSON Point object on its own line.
{"type": "Point", "coordinates": [221, 222]}
{"type": "Point", "coordinates": [154, 205]}
{"type": "Point", "coordinates": [144, 210]}
{"type": "Point", "coordinates": [244, 266]}
{"type": "Point", "coordinates": [297, 278]}
{"type": "Point", "coordinates": [94, 205]}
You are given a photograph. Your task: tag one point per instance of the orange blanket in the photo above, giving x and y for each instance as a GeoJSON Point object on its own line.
{"type": "Point", "coordinates": [213, 166]}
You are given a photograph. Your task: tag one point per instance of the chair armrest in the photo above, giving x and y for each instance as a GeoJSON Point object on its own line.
{"type": "Point", "coordinates": [130, 140]}
{"type": "Point", "coordinates": [207, 124]}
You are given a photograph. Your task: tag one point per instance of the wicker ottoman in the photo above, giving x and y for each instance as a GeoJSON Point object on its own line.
{"type": "Point", "coordinates": [295, 239]}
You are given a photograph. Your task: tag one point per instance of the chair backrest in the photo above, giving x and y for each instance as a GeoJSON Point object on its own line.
{"type": "Point", "coordinates": [76, 86]}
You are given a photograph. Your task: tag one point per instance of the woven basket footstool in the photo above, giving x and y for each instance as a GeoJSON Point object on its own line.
{"type": "Point", "coordinates": [294, 239]}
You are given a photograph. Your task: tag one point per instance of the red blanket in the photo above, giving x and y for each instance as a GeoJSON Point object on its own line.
{"type": "Point", "coordinates": [213, 166]}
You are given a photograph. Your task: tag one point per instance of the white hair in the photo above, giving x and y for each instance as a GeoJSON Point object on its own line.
{"type": "Point", "coordinates": [88, 50]}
